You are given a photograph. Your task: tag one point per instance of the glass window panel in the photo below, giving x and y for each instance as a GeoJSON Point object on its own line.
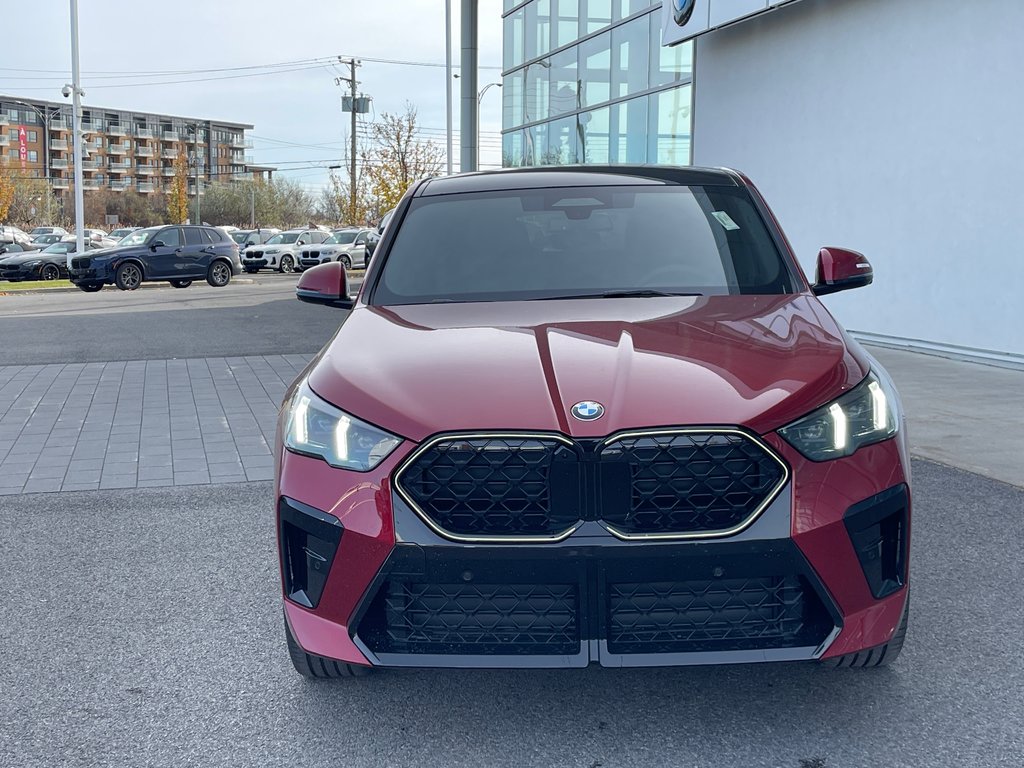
{"type": "Point", "coordinates": [512, 100]}
{"type": "Point", "coordinates": [512, 150]}
{"type": "Point", "coordinates": [535, 96]}
{"type": "Point", "coordinates": [595, 69]}
{"type": "Point", "coordinates": [630, 57]}
{"type": "Point", "coordinates": [669, 130]}
{"type": "Point", "coordinates": [535, 142]}
{"type": "Point", "coordinates": [561, 147]}
{"type": "Point", "coordinates": [623, 8]}
{"type": "Point", "coordinates": [594, 15]}
{"type": "Point", "coordinates": [594, 136]}
{"type": "Point", "coordinates": [629, 131]}
{"type": "Point", "coordinates": [509, 4]}
{"type": "Point", "coordinates": [514, 47]}
{"type": "Point", "coordinates": [541, 29]}
{"type": "Point", "coordinates": [669, 62]}
{"type": "Point", "coordinates": [565, 15]}
{"type": "Point", "coordinates": [563, 82]}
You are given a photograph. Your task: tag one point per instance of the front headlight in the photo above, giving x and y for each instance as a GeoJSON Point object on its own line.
{"type": "Point", "coordinates": [317, 428]}
{"type": "Point", "coordinates": [32, 264]}
{"type": "Point", "coordinates": [868, 413]}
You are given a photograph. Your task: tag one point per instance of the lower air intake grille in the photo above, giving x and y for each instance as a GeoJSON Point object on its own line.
{"type": "Point", "coordinates": [476, 619]}
{"type": "Point", "coordinates": [719, 615]}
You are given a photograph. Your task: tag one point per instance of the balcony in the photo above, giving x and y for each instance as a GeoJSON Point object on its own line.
{"type": "Point", "coordinates": [144, 133]}
{"type": "Point", "coordinates": [59, 145]}
{"type": "Point", "coordinates": [59, 164]}
{"type": "Point", "coordinates": [241, 142]}
{"type": "Point", "coordinates": [91, 126]}
{"type": "Point", "coordinates": [145, 170]}
{"type": "Point", "coordinates": [146, 186]}
{"type": "Point", "coordinates": [90, 185]}
{"type": "Point", "coordinates": [120, 185]}
{"type": "Point", "coordinates": [141, 151]}
{"type": "Point", "coordinates": [92, 165]}
{"type": "Point", "coordinates": [4, 139]}
{"type": "Point", "coordinates": [4, 120]}
{"type": "Point", "coordinates": [61, 183]}
{"type": "Point", "coordinates": [117, 149]}
{"type": "Point", "coordinates": [120, 166]}
{"type": "Point", "coordinates": [167, 171]}
{"type": "Point", "coordinates": [116, 129]}
{"type": "Point", "coordinates": [169, 154]}
{"type": "Point", "coordinates": [170, 136]}
{"type": "Point", "coordinates": [60, 124]}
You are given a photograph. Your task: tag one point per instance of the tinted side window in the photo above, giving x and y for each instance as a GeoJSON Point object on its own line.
{"type": "Point", "coordinates": [193, 236]}
{"type": "Point", "coordinates": [208, 236]}
{"type": "Point", "coordinates": [360, 238]}
{"type": "Point", "coordinates": [170, 237]}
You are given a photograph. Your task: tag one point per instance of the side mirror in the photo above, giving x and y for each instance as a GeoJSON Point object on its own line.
{"type": "Point", "coordinates": [248, 243]}
{"type": "Point", "coordinates": [325, 284]}
{"type": "Point", "coordinates": [157, 244]}
{"type": "Point", "coordinates": [839, 270]}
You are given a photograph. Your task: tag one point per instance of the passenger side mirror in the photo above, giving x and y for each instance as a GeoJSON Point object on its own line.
{"type": "Point", "coordinates": [839, 270]}
{"type": "Point", "coordinates": [325, 284]}
{"type": "Point", "coordinates": [248, 243]}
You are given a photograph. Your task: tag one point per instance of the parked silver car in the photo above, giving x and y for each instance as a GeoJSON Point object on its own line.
{"type": "Point", "coordinates": [352, 247]}
{"type": "Point", "coordinates": [281, 252]}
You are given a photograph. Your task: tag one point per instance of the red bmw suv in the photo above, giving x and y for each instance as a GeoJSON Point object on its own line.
{"type": "Point", "coordinates": [590, 415]}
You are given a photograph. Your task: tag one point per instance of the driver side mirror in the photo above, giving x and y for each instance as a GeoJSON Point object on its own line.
{"type": "Point", "coordinates": [325, 284]}
{"type": "Point", "coordinates": [839, 270]}
{"type": "Point", "coordinates": [157, 244]}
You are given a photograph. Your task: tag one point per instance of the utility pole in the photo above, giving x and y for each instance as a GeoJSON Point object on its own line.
{"type": "Point", "coordinates": [195, 148]}
{"type": "Point", "coordinates": [448, 79]}
{"type": "Point", "coordinates": [76, 91]}
{"type": "Point", "coordinates": [352, 159]}
{"type": "Point", "coordinates": [354, 104]}
{"type": "Point", "coordinates": [252, 205]}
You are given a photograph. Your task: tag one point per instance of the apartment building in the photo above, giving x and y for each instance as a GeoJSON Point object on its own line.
{"type": "Point", "coordinates": [122, 149]}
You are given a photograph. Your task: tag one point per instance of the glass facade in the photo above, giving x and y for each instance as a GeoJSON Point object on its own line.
{"type": "Point", "coordinates": [587, 81]}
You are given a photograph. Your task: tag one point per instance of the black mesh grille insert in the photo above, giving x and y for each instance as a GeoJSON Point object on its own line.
{"type": "Point", "coordinates": [475, 619]}
{"type": "Point", "coordinates": [494, 486]}
{"type": "Point", "coordinates": [715, 615]}
{"type": "Point", "coordinates": [689, 483]}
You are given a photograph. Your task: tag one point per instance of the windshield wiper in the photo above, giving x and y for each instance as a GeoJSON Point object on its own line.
{"type": "Point", "coordinates": [640, 293]}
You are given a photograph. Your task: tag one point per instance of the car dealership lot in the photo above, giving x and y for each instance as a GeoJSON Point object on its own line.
{"type": "Point", "coordinates": [145, 624]}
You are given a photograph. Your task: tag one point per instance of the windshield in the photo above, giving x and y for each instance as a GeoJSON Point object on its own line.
{"type": "Point", "coordinates": [341, 238]}
{"type": "Point", "coordinates": [59, 248]}
{"type": "Point", "coordinates": [240, 236]}
{"type": "Point", "coordinates": [284, 237]}
{"type": "Point", "coordinates": [582, 242]}
{"type": "Point", "coordinates": [120, 232]}
{"type": "Point", "coordinates": [139, 236]}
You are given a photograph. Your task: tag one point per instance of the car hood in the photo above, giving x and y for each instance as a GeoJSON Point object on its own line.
{"type": "Point", "coordinates": [753, 361]}
{"type": "Point", "coordinates": [23, 258]}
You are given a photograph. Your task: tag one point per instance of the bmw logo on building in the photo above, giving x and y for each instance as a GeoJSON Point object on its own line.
{"type": "Point", "coordinates": [682, 10]}
{"type": "Point", "coordinates": [587, 410]}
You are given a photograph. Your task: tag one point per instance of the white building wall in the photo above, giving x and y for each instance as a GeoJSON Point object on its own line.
{"type": "Point", "coordinates": [893, 127]}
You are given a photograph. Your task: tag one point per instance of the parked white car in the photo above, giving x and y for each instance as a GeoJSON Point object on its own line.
{"type": "Point", "coordinates": [352, 247]}
{"type": "Point", "coordinates": [281, 252]}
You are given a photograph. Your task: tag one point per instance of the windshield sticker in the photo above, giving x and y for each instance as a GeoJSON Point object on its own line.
{"type": "Point", "coordinates": [725, 220]}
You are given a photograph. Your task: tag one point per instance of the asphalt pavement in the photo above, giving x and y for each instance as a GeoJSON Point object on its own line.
{"type": "Point", "coordinates": [163, 323]}
{"type": "Point", "coordinates": [144, 628]}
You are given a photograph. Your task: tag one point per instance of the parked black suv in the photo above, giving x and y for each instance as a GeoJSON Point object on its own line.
{"type": "Point", "coordinates": [176, 254]}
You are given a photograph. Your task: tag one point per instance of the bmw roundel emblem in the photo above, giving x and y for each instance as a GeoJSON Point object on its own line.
{"type": "Point", "coordinates": [682, 10]}
{"type": "Point", "coordinates": [587, 410]}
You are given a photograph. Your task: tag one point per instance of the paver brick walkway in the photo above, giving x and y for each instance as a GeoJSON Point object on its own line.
{"type": "Point", "coordinates": [141, 423]}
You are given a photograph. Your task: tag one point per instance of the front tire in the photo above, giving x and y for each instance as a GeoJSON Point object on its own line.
{"type": "Point", "coordinates": [219, 274]}
{"type": "Point", "coordinates": [287, 265]}
{"type": "Point", "coordinates": [181, 283]}
{"type": "Point", "coordinates": [319, 667]}
{"type": "Point", "coordinates": [128, 276]}
{"type": "Point", "coordinates": [50, 272]}
{"type": "Point", "coordinates": [346, 262]}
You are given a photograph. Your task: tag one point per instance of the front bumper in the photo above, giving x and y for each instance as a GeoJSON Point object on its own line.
{"type": "Point", "coordinates": [254, 263]}
{"type": "Point", "coordinates": [792, 586]}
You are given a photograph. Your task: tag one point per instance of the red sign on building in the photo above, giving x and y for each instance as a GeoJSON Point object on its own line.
{"type": "Point", "coordinates": [23, 145]}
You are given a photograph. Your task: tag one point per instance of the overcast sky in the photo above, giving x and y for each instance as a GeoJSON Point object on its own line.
{"type": "Point", "coordinates": [122, 41]}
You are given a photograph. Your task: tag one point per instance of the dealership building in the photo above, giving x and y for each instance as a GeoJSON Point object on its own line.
{"type": "Point", "coordinates": [892, 127]}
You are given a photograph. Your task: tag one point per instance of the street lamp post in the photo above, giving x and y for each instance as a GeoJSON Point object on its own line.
{"type": "Point", "coordinates": [479, 99]}
{"type": "Point", "coordinates": [75, 90]}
